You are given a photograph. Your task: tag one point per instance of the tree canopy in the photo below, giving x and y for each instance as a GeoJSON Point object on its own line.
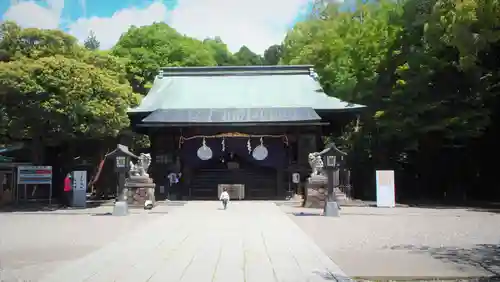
{"type": "Point", "coordinates": [53, 90]}
{"type": "Point", "coordinates": [220, 52]}
{"type": "Point", "coordinates": [426, 69]}
{"type": "Point", "coordinates": [273, 54]}
{"type": "Point", "coordinates": [149, 48]}
{"type": "Point", "coordinates": [245, 57]}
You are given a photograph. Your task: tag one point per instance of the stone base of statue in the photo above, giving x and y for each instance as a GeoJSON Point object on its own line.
{"type": "Point", "coordinates": [138, 190]}
{"type": "Point", "coordinates": [120, 208]}
{"type": "Point", "coordinates": [317, 193]}
{"type": "Point", "coordinates": [332, 209]}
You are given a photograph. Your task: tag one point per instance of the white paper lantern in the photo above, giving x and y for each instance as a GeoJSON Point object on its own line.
{"type": "Point", "coordinates": [260, 152]}
{"type": "Point", "coordinates": [204, 152]}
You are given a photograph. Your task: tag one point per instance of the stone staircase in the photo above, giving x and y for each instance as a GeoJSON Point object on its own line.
{"type": "Point", "coordinates": [340, 196]}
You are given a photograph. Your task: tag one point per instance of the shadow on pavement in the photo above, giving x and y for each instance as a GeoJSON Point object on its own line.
{"type": "Point", "coordinates": [328, 276]}
{"type": "Point", "coordinates": [482, 256]}
{"type": "Point", "coordinates": [102, 214]}
{"type": "Point", "coordinates": [470, 206]}
{"type": "Point", "coordinates": [45, 207]}
{"type": "Point", "coordinates": [306, 214]}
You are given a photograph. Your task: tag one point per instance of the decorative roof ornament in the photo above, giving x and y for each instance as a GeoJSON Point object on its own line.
{"type": "Point", "coordinates": [313, 74]}
{"type": "Point", "coordinates": [249, 146]}
{"type": "Point", "coordinates": [160, 74]}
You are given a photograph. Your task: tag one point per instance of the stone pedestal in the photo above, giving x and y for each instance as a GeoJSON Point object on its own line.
{"type": "Point", "coordinates": [120, 209]}
{"type": "Point", "coordinates": [317, 193]}
{"type": "Point", "coordinates": [332, 209]}
{"type": "Point", "coordinates": [139, 189]}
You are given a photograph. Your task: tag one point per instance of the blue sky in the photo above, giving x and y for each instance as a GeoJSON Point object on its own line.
{"type": "Point", "coordinates": [254, 23]}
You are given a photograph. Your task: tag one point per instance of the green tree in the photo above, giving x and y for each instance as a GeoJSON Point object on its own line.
{"type": "Point", "coordinates": [16, 43]}
{"type": "Point", "coordinates": [273, 54]}
{"type": "Point", "coordinates": [53, 90]}
{"type": "Point", "coordinates": [220, 52]}
{"type": "Point", "coordinates": [245, 57]}
{"type": "Point", "coordinates": [55, 98]}
{"type": "Point", "coordinates": [91, 42]}
{"type": "Point", "coordinates": [149, 48]}
{"type": "Point", "coordinates": [422, 69]}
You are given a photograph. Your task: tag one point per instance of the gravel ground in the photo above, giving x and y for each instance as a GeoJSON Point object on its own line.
{"type": "Point", "coordinates": [34, 243]}
{"type": "Point", "coordinates": [402, 243]}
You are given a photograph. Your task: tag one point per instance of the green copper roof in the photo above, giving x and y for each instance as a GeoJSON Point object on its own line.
{"type": "Point", "coordinates": [239, 87]}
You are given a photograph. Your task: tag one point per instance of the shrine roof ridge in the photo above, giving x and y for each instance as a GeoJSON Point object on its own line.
{"type": "Point", "coordinates": [237, 70]}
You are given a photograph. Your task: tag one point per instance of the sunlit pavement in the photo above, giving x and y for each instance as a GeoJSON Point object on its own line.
{"type": "Point", "coordinates": [397, 243]}
{"type": "Point", "coordinates": [250, 241]}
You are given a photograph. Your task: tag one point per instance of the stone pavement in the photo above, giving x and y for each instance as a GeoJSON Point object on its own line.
{"type": "Point", "coordinates": [35, 243]}
{"type": "Point", "coordinates": [407, 243]}
{"type": "Point", "coordinates": [249, 242]}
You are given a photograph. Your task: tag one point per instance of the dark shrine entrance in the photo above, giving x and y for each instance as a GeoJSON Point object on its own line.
{"type": "Point", "coordinates": [245, 162]}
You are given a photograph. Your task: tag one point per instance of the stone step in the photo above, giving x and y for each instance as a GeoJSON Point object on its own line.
{"type": "Point", "coordinates": [339, 195]}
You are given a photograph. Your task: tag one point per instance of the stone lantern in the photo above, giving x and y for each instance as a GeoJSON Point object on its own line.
{"type": "Point", "coordinates": [331, 160]}
{"type": "Point", "coordinates": [122, 160]}
{"type": "Point", "coordinates": [324, 179]}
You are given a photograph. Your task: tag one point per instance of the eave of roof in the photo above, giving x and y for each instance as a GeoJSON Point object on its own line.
{"type": "Point", "coordinates": [232, 115]}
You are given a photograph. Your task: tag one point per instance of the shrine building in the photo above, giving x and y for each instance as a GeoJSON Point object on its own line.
{"type": "Point", "coordinates": [248, 128]}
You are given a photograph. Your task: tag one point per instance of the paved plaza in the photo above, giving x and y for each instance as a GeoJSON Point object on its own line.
{"type": "Point", "coordinates": [251, 241]}
{"type": "Point", "coordinates": [402, 243]}
{"type": "Point", "coordinates": [33, 244]}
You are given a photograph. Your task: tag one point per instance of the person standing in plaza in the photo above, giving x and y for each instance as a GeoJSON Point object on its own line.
{"type": "Point", "coordinates": [224, 197]}
{"type": "Point", "coordinates": [67, 190]}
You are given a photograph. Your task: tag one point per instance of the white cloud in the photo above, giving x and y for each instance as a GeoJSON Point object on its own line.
{"type": "Point", "coordinates": [254, 23]}
{"type": "Point", "coordinates": [109, 30]}
{"type": "Point", "coordinates": [30, 14]}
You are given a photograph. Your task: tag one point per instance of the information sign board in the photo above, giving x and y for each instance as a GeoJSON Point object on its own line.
{"type": "Point", "coordinates": [386, 196]}
{"type": "Point", "coordinates": [34, 175]}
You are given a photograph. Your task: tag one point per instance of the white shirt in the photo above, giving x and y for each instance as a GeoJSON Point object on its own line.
{"type": "Point", "coordinates": [172, 177]}
{"type": "Point", "coordinates": [224, 195]}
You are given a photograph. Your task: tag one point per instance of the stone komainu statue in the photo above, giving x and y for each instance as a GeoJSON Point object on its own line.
{"type": "Point", "coordinates": [141, 168]}
{"type": "Point", "coordinates": [316, 159]}
{"type": "Point", "coordinates": [316, 163]}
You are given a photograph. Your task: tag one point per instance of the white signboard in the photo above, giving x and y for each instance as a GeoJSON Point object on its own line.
{"type": "Point", "coordinates": [296, 177]}
{"type": "Point", "coordinates": [386, 196]}
{"type": "Point", "coordinates": [331, 161]}
{"type": "Point", "coordinates": [34, 175]}
{"type": "Point", "coordinates": [121, 162]}
{"type": "Point", "coordinates": [79, 180]}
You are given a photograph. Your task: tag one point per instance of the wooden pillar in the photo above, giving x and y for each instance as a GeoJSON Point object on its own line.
{"type": "Point", "coordinates": [306, 145]}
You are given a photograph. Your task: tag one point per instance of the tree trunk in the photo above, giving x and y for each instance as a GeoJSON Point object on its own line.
{"type": "Point", "coordinates": [37, 151]}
